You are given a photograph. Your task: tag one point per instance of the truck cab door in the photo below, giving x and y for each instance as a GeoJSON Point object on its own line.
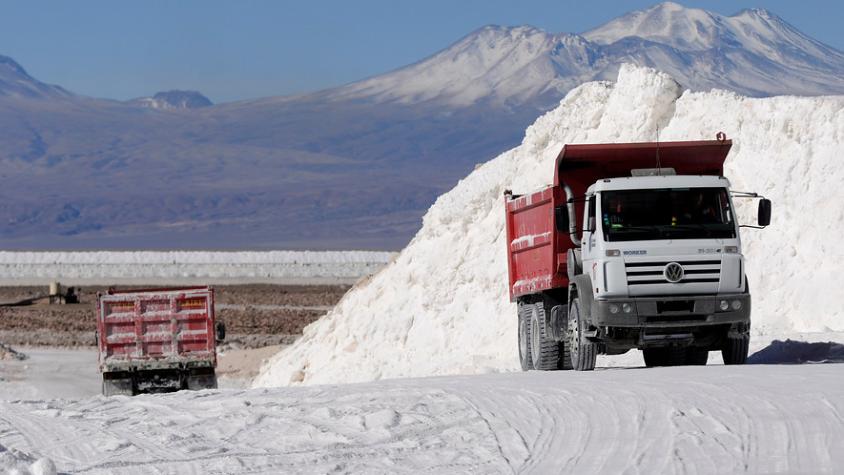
{"type": "Point", "coordinates": [588, 244]}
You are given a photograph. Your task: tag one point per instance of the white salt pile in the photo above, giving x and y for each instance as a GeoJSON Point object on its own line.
{"type": "Point", "coordinates": [442, 306]}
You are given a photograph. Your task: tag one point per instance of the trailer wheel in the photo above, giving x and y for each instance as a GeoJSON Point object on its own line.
{"type": "Point", "coordinates": [544, 350]}
{"type": "Point", "coordinates": [735, 350]}
{"type": "Point", "coordinates": [203, 378]}
{"type": "Point", "coordinates": [584, 352]}
{"type": "Point", "coordinates": [118, 384]}
{"type": "Point", "coordinates": [524, 338]}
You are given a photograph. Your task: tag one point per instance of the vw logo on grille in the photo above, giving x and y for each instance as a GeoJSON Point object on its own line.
{"type": "Point", "coordinates": [673, 272]}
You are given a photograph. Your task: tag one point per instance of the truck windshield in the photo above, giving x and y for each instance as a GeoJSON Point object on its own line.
{"type": "Point", "coordinates": [671, 213]}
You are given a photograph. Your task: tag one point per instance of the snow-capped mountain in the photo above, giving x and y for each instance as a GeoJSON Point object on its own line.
{"type": "Point", "coordinates": [495, 65]}
{"type": "Point", "coordinates": [313, 170]}
{"type": "Point", "coordinates": [172, 100]}
{"type": "Point", "coordinates": [753, 52]}
{"type": "Point", "coordinates": [16, 82]}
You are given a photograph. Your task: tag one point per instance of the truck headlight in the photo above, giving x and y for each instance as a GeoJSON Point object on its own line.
{"type": "Point", "coordinates": [613, 308]}
{"type": "Point", "coordinates": [627, 308]}
{"type": "Point", "coordinates": [724, 305]}
{"type": "Point", "coordinates": [736, 304]}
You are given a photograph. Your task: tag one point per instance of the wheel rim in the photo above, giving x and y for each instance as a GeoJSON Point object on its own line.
{"type": "Point", "coordinates": [574, 334]}
{"type": "Point", "coordinates": [535, 334]}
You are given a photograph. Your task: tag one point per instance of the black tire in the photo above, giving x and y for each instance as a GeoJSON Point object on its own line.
{"type": "Point", "coordinates": [564, 362]}
{"type": "Point", "coordinates": [199, 379]}
{"type": "Point", "coordinates": [544, 351]}
{"type": "Point", "coordinates": [525, 359]}
{"type": "Point", "coordinates": [735, 350]}
{"type": "Point", "coordinates": [584, 353]}
{"type": "Point", "coordinates": [117, 386]}
{"type": "Point", "coordinates": [696, 357]}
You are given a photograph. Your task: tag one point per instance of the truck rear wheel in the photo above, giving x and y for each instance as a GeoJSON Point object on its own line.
{"type": "Point", "coordinates": [544, 350]}
{"type": "Point", "coordinates": [204, 378]}
{"type": "Point", "coordinates": [118, 384]}
{"type": "Point", "coordinates": [735, 350]}
{"type": "Point", "coordinates": [584, 353]}
{"type": "Point", "coordinates": [565, 355]}
{"type": "Point", "coordinates": [524, 338]}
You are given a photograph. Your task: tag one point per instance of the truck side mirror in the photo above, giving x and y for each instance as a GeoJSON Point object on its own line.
{"type": "Point", "coordinates": [220, 331]}
{"type": "Point", "coordinates": [764, 217]}
{"type": "Point", "coordinates": [561, 219]}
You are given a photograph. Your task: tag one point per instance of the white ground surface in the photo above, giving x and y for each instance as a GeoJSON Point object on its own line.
{"type": "Point", "coordinates": [714, 419]}
{"type": "Point", "coordinates": [620, 418]}
{"type": "Point", "coordinates": [49, 374]}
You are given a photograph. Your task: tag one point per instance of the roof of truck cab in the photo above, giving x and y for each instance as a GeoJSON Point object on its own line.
{"type": "Point", "coordinates": [659, 182]}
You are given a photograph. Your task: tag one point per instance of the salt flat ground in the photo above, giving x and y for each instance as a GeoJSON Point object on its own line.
{"type": "Point", "coordinates": [713, 419]}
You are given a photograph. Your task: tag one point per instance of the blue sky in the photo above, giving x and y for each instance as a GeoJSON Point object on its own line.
{"type": "Point", "coordinates": [246, 49]}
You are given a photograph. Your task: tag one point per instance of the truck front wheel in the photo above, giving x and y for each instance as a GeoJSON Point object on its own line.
{"type": "Point", "coordinates": [524, 338]}
{"type": "Point", "coordinates": [584, 353]}
{"type": "Point", "coordinates": [735, 350]}
{"type": "Point", "coordinates": [544, 350]}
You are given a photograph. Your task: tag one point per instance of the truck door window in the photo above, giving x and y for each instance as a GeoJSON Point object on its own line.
{"type": "Point", "coordinates": [670, 213]}
{"type": "Point", "coordinates": [589, 222]}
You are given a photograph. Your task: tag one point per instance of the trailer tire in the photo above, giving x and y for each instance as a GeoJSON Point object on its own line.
{"type": "Point", "coordinates": [735, 350]}
{"type": "Point", "coordinates": [204, 378]}
{"type": "Point", "coordinates": [583, 352]}
{"type": "Point", "coordinates": [118, 385]}
{"type": "Point", "coordinates": [544, 350]}
{"type": "Point", "coordinates": [525, 359]}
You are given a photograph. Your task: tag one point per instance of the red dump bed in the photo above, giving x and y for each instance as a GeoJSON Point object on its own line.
{"type": "Point", "coordinates": [156, 328]}
{"type": "Point", "coordinates": [536, 251]}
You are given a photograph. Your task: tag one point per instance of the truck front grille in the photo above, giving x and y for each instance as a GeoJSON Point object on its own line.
{"type": "Point", "coordinates": [694, 272]}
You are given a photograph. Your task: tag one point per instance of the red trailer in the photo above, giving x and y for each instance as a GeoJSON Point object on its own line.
{"type": "Point", "coordinates": [587, 257]}
{"type": "Point", "coordinates": [157, 340]}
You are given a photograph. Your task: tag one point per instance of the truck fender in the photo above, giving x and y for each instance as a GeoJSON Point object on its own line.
{"type": "Point", "coordinates": [581, 286]}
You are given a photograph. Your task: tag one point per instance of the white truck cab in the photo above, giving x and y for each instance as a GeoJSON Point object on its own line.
{"type": "Point", "coordinates": [635, 226]}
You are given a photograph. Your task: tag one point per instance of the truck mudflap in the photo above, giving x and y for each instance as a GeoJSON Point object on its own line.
{"type": "Point", "coordinates": [673, 311]}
